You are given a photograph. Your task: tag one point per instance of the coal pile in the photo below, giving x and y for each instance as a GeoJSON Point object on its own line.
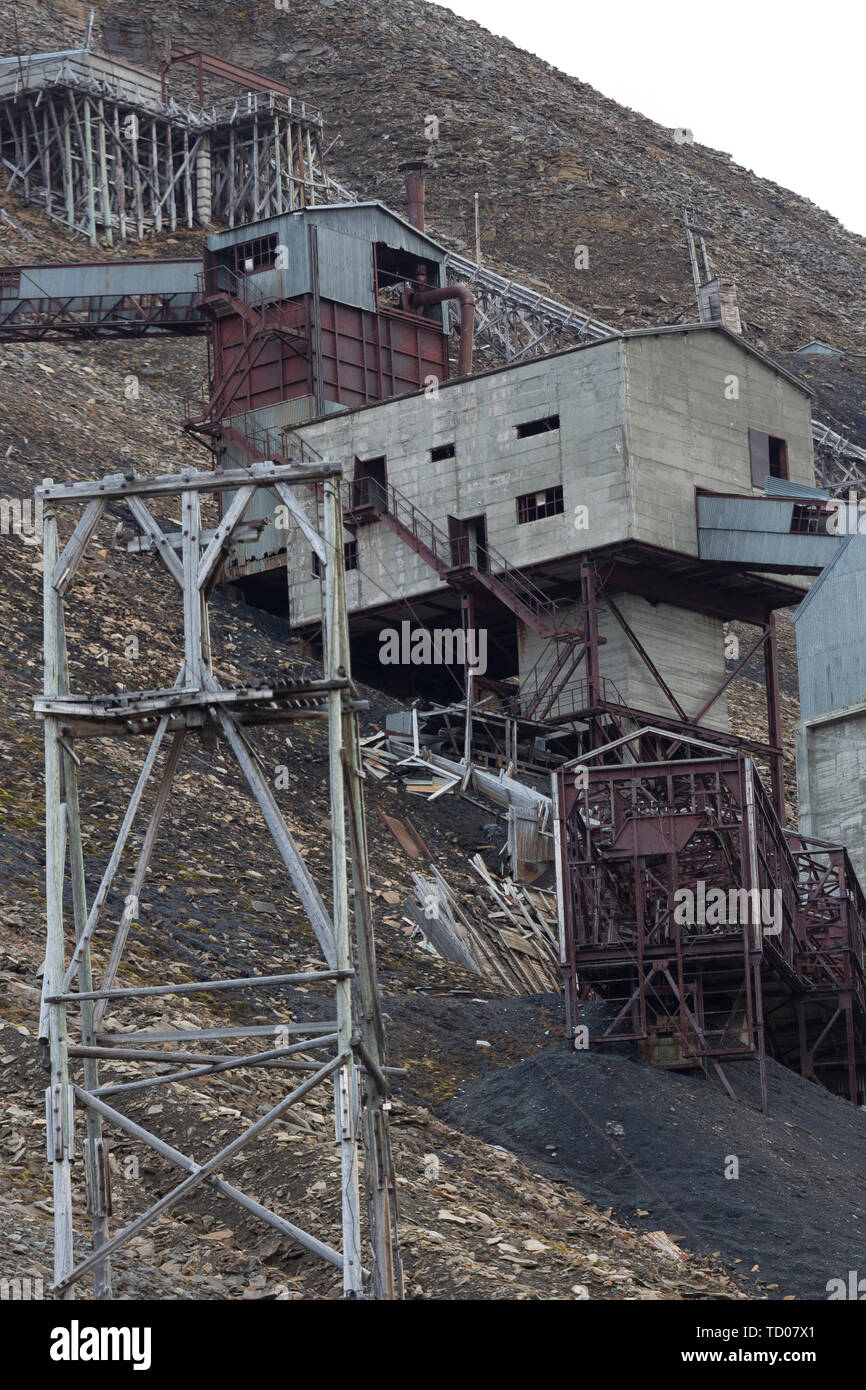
{"type": "Point", "coordinates": [661, 1148]}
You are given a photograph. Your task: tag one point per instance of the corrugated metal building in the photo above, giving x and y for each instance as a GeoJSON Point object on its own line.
{"type": "Point", "coordinates": [340, 272]}
{"type": "Point", "coordinates": [830, 625]}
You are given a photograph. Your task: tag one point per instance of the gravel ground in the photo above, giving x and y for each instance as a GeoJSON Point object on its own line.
{"type": "Point", "coordinates": [655, 1145]}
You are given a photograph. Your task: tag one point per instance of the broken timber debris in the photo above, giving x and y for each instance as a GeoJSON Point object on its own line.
{"type": "Point", "coordinates": [506, 933]}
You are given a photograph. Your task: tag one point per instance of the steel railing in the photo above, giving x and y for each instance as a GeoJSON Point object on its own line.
{"type": "Point", "coordinates": [452, 552]}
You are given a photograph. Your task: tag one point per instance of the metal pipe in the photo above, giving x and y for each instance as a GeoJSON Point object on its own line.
{"type": "Point", "coordinates": [466, 300]}
{"type": "Point", "coordinates": [415, 189]}
{"type": "Point", "coordinates": [415, 171]}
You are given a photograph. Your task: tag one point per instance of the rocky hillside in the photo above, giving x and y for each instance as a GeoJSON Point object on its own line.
{"type": "Point", "coordinates": [556, 164]}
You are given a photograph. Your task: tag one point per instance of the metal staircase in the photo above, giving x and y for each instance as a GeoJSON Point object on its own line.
{"type": "Point", "coordinates": [366, 499]}
{"type": "Point", "coordinates": [220, 291]}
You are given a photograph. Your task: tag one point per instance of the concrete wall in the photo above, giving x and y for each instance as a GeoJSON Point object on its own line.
{"type": "Point", "coordinates": [643, 420]}
{"type": "Point", "coordinates": [684, 432]}
{"type": "Point", "coordinates": [689, 651]}
{"type": "Point", "coordinates": [491, 467]}
{"type": "Point", "coordinates": [687, 648]}
{"type": "Point", "coordinates": [831, 781]}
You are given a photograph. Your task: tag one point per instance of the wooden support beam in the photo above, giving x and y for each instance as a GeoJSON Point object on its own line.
{"type": "Point", "coordinates": [306, 527]}
{"type": "Point", "coordinates": [192, 626]}
{"type": "Point", "coordinates": [120, 843]}
{"type": "Point", "coordinates": [103, 174]}
{"type": "Point", "coordinates": [88, 174]}
{"type": "Point", "coordinates": [211, 561]}
{"type": "Point", "coordinates": [315, 1247]}
{"type": "Point", "coordinates": [156, 535]}
{"type": "Point", "coordinates": [117, 485]}
{"type": "Point", "coordinates": [298, 871]}
{"type": "Point", "coordinates": [76, 547]}
{"type": "Point", "coordinates": [347, 1119]}
{"type": "Point", "coordinates": [130, 910]}
{"type": "Point", "coordinates": [196, 1176]}
{"type": "Point", "coordinates": [58, 1108]}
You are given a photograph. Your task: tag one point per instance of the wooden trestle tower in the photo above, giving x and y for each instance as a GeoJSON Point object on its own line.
{"type": "Point", "coordinates": [74, 1001]}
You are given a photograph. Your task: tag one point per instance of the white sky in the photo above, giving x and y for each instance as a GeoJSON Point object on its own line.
{"type": "Point", "coordinates": [780, 87]}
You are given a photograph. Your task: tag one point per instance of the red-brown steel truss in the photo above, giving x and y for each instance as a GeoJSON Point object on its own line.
{"type": "Point", "coordinates": [664, 943]}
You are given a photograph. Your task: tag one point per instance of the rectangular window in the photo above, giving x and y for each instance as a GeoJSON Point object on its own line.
{"type": "Point", "coordinates": [532, 506]}
{"type": "Point", "coordinates": [256, 255]}
{"type": "Point", "coordinates": [550, 422]}
{"type": "Point", "coordinates": [768, 457]}
{"type": "Point", "coordinates": [350, 559]}
{"type": "Point", "coordinates": [808, 520]}
{"type": "Point", "coordinates": [442, 451]}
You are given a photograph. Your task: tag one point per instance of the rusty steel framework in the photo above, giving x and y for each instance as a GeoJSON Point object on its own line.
{"type": "Point", "coordinates": [84, 317]}
{"type": "Point", "coordinates": [78, 990]}
{"type": "Point", "coordinates": [550, 692]}
{"type": "Point", "coordinates": [101, 154]}
{"type": "Point", "coordinates": [694, 926]}
{"type": "Point", "coordinates": [566, 686]}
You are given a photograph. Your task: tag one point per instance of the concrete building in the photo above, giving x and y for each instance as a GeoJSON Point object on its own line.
{"type": "Point", "coordinates": [596, 451]}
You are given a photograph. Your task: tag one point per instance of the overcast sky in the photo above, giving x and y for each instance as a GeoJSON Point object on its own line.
{"type": "Point", "coordinates": [779, 87]}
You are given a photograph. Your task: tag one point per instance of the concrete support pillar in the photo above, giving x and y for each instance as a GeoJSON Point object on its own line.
{"type": "Point", "coordinates": [204, 184]}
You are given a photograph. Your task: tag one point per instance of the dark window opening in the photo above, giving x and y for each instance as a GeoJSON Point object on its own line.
{"type": "Point", "coordinates": [260, 254]}
{"type": "Point", "coordinates": [808, 520]}
{"type": "Point", "coordinates": [398, 275]}
{"type": "Point", "coordinates": [532, 506]}
{"type": "Point", "coordinates": [350, 558]}
{"type": "Point", "coordinates": [768, 457]}
{"type": "Point", "coordinates": [10, 282]}
{"type": "Point", "coordinates": [370, 486]}
{"type": "Point", "coordinates": [550, 422]}
{"type": "Point", "coordinates": [442, 451]}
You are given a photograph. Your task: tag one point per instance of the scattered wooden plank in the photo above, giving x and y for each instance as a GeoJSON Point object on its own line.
{"type": "Point", "coordinates": [402, 834]}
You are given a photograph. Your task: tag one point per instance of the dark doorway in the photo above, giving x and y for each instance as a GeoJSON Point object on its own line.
{"type": "Point", "coordinates": [768, 456]}
{"type": "Point", "coordinates": [468, 541]}
{"type": "Point", "coordinates": [370, 486]}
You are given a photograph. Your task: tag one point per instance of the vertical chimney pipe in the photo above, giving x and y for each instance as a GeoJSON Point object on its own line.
{"type": "Point", "coordinates": [415, 171]}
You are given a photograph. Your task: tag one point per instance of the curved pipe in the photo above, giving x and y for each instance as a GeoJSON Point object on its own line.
{"type": "Point", "coordinates": [462, 293]}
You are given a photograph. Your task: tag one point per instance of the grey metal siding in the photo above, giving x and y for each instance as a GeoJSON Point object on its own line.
{"type": "Point", "coordinates": [831, 636]}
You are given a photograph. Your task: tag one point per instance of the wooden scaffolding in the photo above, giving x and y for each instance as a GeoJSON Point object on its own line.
{"type": "Point", "coordinates": [73, 1032]}
{"type": "Point", "coordinates": [101, 150]}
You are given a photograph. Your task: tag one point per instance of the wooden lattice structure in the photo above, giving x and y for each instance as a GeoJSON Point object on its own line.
{"type": "Point", "coordinates": [103, 148]}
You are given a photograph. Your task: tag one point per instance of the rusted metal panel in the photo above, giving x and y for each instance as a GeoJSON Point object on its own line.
{"type": "Point", "coordinates": [365, 356]}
